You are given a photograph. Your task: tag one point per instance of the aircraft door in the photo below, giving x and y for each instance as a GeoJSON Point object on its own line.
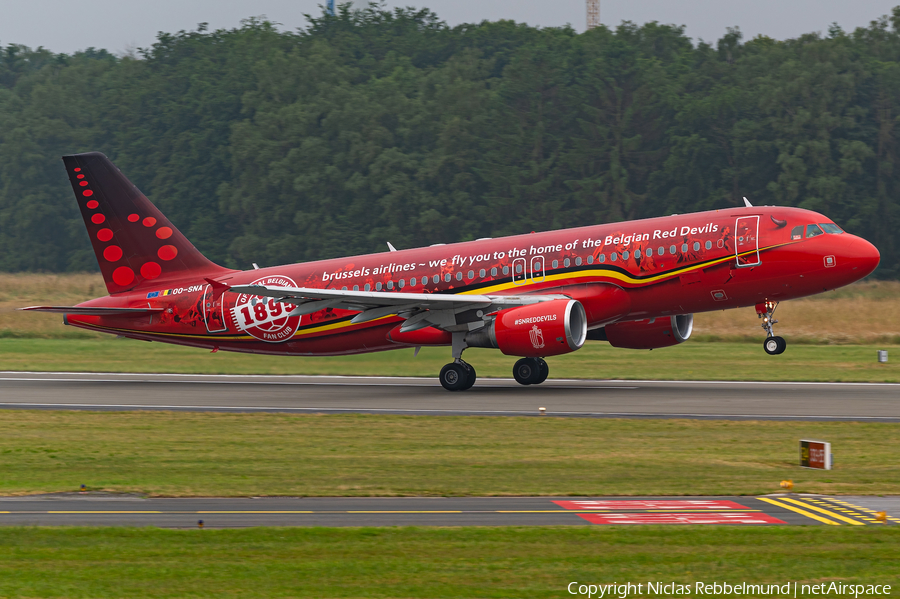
{"type": "Point", "coordinates": [214, 311]}
{"type": "Point", "coordinates": [746, 241]}
{"type": "Point", "coordinates": [537, 269]}
{"type": "Point", "coordinates": [519, 271]}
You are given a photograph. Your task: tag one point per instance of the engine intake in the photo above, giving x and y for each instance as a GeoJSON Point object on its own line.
{"type": "Point", "coordinates": [539, 330]}
{"type": "Point", "coordinates": [644, 334]}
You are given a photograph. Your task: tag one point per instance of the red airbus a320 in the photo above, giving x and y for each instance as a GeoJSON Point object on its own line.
{"type": "Point", "coordinates": [635, 284]}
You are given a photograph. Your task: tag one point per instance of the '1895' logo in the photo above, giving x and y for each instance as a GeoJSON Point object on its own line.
{"type": "Point", "coordinates": [263, 317]}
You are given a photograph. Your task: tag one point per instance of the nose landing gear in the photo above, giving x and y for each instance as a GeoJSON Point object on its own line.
{"type": "Point", "coordinates": [531, 371]}
{"type": "Point", "coordinates": [773, 344]}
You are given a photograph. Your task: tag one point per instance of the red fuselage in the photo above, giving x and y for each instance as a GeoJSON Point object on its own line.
{"type": "Point", "coordinates": [657, 267]}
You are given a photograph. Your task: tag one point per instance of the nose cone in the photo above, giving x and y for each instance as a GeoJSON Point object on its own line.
{"type": "Point", "coordinates": [861, 256]}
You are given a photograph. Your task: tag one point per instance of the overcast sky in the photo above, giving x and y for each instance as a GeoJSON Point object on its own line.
{"type": "Point", "coordinates": [120, 25]}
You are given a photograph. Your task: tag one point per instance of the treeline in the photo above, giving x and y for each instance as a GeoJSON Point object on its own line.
{"type": "Point", "coordinates": [374, 126]}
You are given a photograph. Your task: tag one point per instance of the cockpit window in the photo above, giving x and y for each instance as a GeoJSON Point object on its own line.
{"type": "Point", "coordinates": [812, 231]}
{"type": "Point", "coordinates": [797, 233]}
{"type": "Point", "coordinates": [831, 228]}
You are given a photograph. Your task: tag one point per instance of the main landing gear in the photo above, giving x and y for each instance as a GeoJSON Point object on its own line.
{"type": "Point", "coordinates": [531, 371]}
{"type": "Point", "coordinates": [458, 376]}
{"type": "Point", "coordinates": [773, 344]}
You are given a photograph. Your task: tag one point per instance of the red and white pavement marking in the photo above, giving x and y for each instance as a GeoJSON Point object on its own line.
{"type": "Point", "coordinates": [696, 518]}
{"type": "Point", "coordinates": [652, 504]}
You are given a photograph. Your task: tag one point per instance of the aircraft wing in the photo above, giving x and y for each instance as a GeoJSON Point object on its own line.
{"type": "Point", "coordinates": [93, 311]}
{"type": "Point", "coordinates": [420, 310]}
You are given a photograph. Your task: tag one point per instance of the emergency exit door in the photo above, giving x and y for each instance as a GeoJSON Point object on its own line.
{"type": "Point", "coordinates": [746, 241]}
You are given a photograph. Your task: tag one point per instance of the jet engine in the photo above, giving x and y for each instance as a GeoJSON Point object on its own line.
{"type": "Point", "coordinates": [535, 331]}
{"type": "Point", "coordinates": [648, 334]}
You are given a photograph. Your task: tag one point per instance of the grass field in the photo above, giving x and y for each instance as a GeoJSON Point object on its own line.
{"type": "Point", "coordinates": [429, 562]}
{"type": "Point", "coordinates": [197, 454]}
{"type": "Point", "coordinates": [597, 360]}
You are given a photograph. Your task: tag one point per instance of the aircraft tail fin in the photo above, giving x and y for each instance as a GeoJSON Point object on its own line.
{"type": "Point", "coordinates": [134, 242]}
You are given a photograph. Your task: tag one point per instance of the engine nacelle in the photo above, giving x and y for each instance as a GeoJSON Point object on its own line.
{"type": "Point", "coordinates": [535, 331]}
{"type": "Point", "coordinates": [643, 334]}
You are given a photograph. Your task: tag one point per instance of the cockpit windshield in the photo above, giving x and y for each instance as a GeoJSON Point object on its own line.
{"type": "Point", "coordinates": [831, 228]}
{"type": "Point", "coordinates": [813, 231]}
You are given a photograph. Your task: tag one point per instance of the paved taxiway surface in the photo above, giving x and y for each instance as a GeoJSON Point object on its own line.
{"type": "Point", "coordinates": [98, 509]}
{"type": "Point", "coordinates": [327, 394]}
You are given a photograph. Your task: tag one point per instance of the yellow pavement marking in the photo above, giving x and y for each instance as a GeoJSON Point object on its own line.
{"type": "Point", "coordinates": [799, 511]}
{"type": "Point", "coordinates": [252, 512]}
{"type": "Point", "coordinates": [403, 512]}
{"type": "Point", "coordinates": [826, 512]}
{"type": "Point", "coordinates": [103, 512]}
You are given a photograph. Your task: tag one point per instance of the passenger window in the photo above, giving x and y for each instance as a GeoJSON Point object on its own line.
{"type": "Point", "coordinates": [390, 285]}
{"type": "Point", "coordinates": [613, 257]}
{"type": "Point", "coordinates": [708, 245]}
{"type": "Point", "coordinates": [683, 248]}
{"type": "Point", "coordinates": [402, 283]}
{"type": "Point", "coordinates": [566, 263]}
{"type": "Point", "coordinates": [471, 273]}
{"type": "Point", "coordinates": [625, 255]}
{"type": "Point", "coordinates": [506, 270]}
{"type": "Point", "coordinates": [591, 259]}
{"type": "Point", "coordinates": [696, 246]}
{"type": "Point", "coordinates": [602, 258]}
{"type": "Point", "coordinates": [424, 280]}
{"type": "Point", "coordinates": [482, 273]}
{"type": "Point", "coordinates": [831, 228]}
{"type": "Point", "coordinates": [797, 233]}
{"type": "Point", "coordinates": [637, 254]}
{"type": "Point", "coordinates": [671, 249]}
{"type": "Point", "coordinates": [813, 231]}
{"type": "Point", "coordinates": [377, 286]}
{"type": "Point", "coordinates": [494, 272]}
{"type": "Point", "coordinates": [459, 276]}
{"type": "Point", "coordinates": [344, 288]}
{"type": "Point", "coordinates": [578, 261]}
{"type": "Point", "coordinates": [436, 278]}
{"type": "Point", "coordinates": [649, 252]}
{"type": "Point", "coordinates": [556, 264]}
{"type": "Point", "coordinates": [356, 288]}
{"type": "Point", "coordinates": [447, 278]}
{"type": "Point", "coordinates": [412, 281]}
{"type": "Point", "coordinates": [368, 287]}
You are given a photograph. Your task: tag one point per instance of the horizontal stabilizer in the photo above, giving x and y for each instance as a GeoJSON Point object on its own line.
{"type": "Point", "coordinates": [89, 311]}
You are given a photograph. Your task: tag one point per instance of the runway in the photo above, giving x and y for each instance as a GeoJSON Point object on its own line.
{"type": "Point", "coordinates": [873, 402]}
{"type": "Point", "coordinates": [99, 509]}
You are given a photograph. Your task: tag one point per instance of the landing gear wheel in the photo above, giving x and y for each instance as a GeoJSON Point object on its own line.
{"type": "Point", "coordinates": [455, 377]}
{"type": "Point", "coordinates": [543, 372]}
{"type": "Point", "coordinates": [527, 371]}
{"type": "Point", "coordinates": [472, 376]}
{"type": "Point", "coordinates": [775, 345]}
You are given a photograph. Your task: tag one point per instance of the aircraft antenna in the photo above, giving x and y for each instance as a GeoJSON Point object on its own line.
{"type": "Point", "coordinates": [747, 203]}
{"type": "Point", "coordinates": [593, 13]}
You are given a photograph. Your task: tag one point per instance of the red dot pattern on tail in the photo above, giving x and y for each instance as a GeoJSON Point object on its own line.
{"type": "Point", "coordinates": [167, 252]}
{"type": "Point", "coordinates": [113, 253]}
{"type": "Point", "coordinates": [151, 270]}
{"type": "Point", "coordinates": [104, 234]}
{"type": "Point", "coordinates": [97, 219]}
{"type": "Point", "coordinates": [123, 276]}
